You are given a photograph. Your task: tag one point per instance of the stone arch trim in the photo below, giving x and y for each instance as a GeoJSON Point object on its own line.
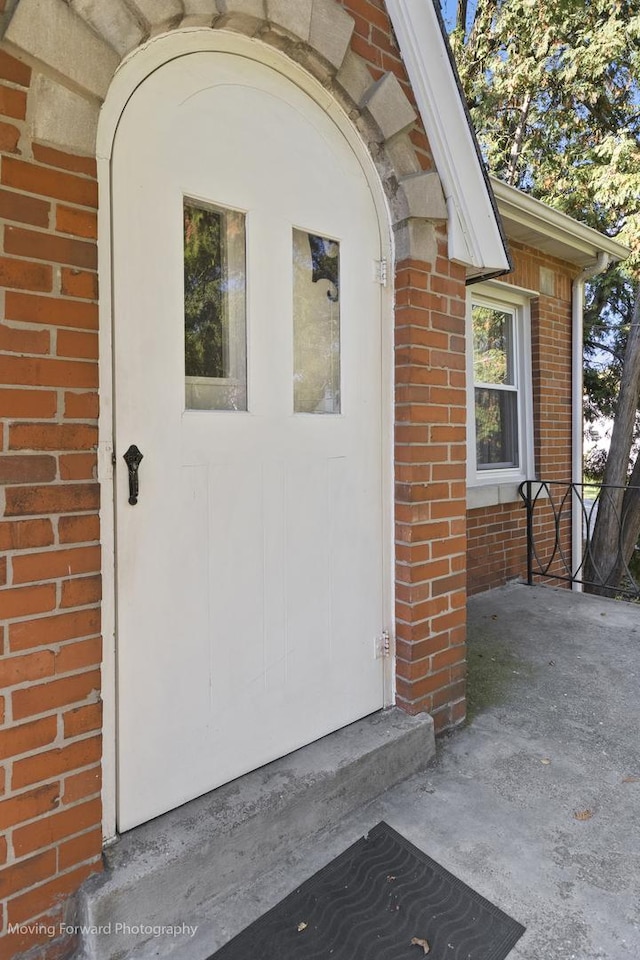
{"type": "Point", "coordinates": [75, 48]}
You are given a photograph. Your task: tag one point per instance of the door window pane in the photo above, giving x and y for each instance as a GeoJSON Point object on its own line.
{"type": "Point", "coordinates": [316, 323]}
{"type": "Point", "coordinates": [496, 428]}
{"type": "Point", "coordinates": [214, 308]}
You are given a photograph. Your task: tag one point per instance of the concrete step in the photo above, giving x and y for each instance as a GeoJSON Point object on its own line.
{"type": "Point", "coordinates": [168, 872]}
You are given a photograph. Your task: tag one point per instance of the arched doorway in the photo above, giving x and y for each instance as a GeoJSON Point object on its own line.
{"type": "Point", "coordinates": [248, 371]}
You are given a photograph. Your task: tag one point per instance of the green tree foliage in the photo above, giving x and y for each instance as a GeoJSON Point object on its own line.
{"type": "Point", "coordinates": [204, 293]}
{"type": "Point", "coordinates": [553, 87]}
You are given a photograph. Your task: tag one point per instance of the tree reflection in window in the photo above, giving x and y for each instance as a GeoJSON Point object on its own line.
{"type": "Point", "coordinates": [492, 346]}
{"type": "Point", "coordinates": [496, 397]}
{"type": "Point", "coordinates": [316, 323]}
{"type": "Point", "coordinates": [206, 333]}
{"type": "Point", "coordinates": [214, 307]}
{"type": "Point", "coordinates": [325, 264]}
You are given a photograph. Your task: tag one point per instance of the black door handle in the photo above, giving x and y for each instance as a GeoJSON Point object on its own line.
{"type": "Point", "coordinates": [132, 459]}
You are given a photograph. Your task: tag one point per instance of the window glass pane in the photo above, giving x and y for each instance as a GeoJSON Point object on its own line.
{"type": "Point", "coordinates": [496, 428]}
{"type": "Point", "coordinates": [492, 346]}
{"type": "Point", "coordinates": [214, 308]}
{"type": "Point", "coordinates": [316, 324]}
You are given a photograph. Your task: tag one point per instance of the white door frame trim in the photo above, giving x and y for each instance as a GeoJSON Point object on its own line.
{"type": "Point", "coordinates": [131, 73]}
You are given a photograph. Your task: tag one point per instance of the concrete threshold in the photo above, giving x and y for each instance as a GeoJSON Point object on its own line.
{"type": "Point", "coordinates": [165, 873]}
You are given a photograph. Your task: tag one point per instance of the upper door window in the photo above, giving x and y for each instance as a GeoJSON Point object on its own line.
{"type": "Point", "coordinates": [500, 415]}
{"type": "Point", "coordinates": [214, 308]}
{"type": "Point", "coordinates": [316, 323]}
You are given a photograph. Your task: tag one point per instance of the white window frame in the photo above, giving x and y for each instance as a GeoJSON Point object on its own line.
{"type": "Point", "coordinates": [490, 486]}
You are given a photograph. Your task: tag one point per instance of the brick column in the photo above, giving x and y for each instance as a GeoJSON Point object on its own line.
{"type": "Point", "coordinates": [430, 465]}
{"type": "Point", "coordinates": [50, 647]}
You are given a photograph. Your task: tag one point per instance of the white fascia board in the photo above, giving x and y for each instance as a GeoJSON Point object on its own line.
{"type": "Point", "coordinates": [474, 234]}
{"type": "Point", "coordinates": [515, 205]}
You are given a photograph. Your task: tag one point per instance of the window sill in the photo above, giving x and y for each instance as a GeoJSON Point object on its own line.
{"type": "Point", "coordinates": [492, 495]}
{"type": "Point", "coordinates": [495, 494]}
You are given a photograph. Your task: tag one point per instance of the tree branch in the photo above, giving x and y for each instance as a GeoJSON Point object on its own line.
{"type": "Point", "coordinates": [518, 140]}
{"type": "Point", "coordinates": [461, 17]}
{"type": "Point", "coordinates": [595, 345]}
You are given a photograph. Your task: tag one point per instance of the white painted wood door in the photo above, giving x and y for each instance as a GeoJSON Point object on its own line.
{"type": "Point", "coordinates": [250, 572]}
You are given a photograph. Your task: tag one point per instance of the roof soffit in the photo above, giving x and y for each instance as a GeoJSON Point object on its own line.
{"type": "Point", "coordinates": [532, 222]}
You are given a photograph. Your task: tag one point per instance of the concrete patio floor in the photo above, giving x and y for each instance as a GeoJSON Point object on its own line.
{"type": "Point", "coordinates": [554, 732]}
{"type": "Point", "coordinates": [535, 803]}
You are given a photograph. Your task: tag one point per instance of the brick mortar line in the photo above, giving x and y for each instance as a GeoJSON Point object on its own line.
{"type": "Point", "coordinates": [44, 197]}
{"type": "Point", "coordinates": [34, 887]}
{"type": "Point", "coordinates": [52, 231]}
{"type": "Point", "coordinates": [30, 159]}
{"type": "Point", "coordinates": [44, 680]}
{"type": "Point", "coordinates": [55, 264]}
{"type": "Point", "coordinates": [58, 873]}
{"type": "Point", "coordinates": [18, 794]}
{"type": "Point", "coordinates": [14, 84]}
{"type": "Point", "coordinates": [57, 744]}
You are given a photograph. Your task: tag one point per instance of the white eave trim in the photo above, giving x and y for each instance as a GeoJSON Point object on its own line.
{"type": "Point", "coordinates": [515, 205]}
{"type": "Point", "coordinates": [473, 230]}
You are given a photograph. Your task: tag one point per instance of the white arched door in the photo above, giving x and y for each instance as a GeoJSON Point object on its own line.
{"type": "Point", "coordinates": [247, 351]}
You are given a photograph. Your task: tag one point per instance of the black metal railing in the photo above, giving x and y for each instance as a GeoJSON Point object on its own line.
{"type": "Point", "coordinates": [610, 562]}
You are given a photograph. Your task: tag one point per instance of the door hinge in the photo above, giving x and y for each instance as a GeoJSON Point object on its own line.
{"type": "Point", "coordinates": [381, 272]}
{"type": "Point", "coordinates": [383, 646]}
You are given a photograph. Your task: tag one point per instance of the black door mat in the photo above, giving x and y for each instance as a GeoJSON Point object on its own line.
{"type": "Point", "coordinates": [382, 899]}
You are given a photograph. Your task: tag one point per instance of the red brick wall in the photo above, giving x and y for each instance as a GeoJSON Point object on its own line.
{"type": "Point", "coordinates": [50, 648]}
{"type": "Point", "coordinates": [497, 546]}
{"type": "Point", "coordinates": [497, 549]}
{"type": "Point", "coordinates": [430, 489]}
